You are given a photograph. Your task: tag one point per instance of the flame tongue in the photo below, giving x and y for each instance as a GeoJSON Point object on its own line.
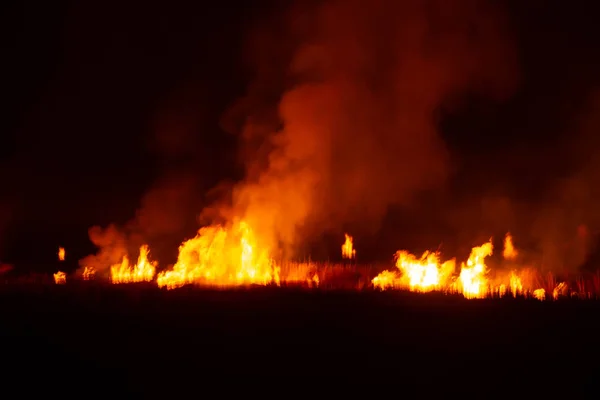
{"type": "Point", "coordinates": [143, 271]}
{"type": "Point", "coordinates": [222, 257]}
{"type": "Point", "coordinates": [428, 273]}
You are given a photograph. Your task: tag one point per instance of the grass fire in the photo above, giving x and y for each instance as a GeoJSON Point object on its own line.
{"type": "Point", "coordinates": [270, 196]}
{"type": "Point", "coordinates": [230, 258]}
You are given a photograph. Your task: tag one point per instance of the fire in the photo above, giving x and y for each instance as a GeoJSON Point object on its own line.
{"type": "Point", "coordinates": [222, 257]}
{"type": "Point", "coordinates": [539, 294]}
{"type": "Point", "coordinates": [60, 278]}
{"type": "Point", "coordinates": [348, 250]}
{"type": "Point", "coordinates": [424, 274]}
{"type": "Point", "coordinates": [233, 256]}
{"type": "Point", "coordinates": [509, 252]}
{"type": "Point", "coordinates": [428, 273]}
{"type": "Point", "coordinates": [61, 254]}
{"type": "Point", "coordinates": [304, 274]}
{"type": "Point", "coordinates": [143, 271]}
{"type": "Point", "coordinates": [88, 273]}
{"type": "Point", "coordinates": [473, 275]}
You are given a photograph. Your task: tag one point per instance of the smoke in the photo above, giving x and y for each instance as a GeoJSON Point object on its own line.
{"type": "Point", "coordinates": [112, 245]}
{"type": "Point", "coordinates": [557, 229]}
{"type": "Point", "coordinates": [568, 223]}
{"type": "Point", "coordinates": [168, 210]}
{"type": "Point", "coordinates": [358, 117]}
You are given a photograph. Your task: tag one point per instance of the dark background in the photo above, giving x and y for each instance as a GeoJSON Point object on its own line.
{"type": "Point", "coordinates": [102, 97]}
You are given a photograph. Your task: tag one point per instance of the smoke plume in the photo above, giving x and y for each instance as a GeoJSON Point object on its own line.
{"type": "Point", "coordinates": [363, 82]}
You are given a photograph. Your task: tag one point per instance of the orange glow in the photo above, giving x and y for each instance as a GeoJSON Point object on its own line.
{"type": "Point", "coordinates": [61, 254]}
{"type": "Point", "coordinates": [509, 252]}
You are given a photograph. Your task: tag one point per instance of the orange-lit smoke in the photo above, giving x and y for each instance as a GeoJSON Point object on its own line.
{"type": "Point", "coordinates": [112, 248]}
{"type": "Point", "coordinates": [359, 129]}
{"type": "Point", "coordinates": [509, 252]}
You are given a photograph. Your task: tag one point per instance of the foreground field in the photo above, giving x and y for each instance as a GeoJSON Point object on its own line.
{"type": "Point", "coordinates": [138, 339]}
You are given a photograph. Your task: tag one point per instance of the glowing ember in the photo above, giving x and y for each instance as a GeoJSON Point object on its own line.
{"type": "Point", "coordinates": [61, 254]}
{"type": "Point", "coordinates": [348, 250]}
{"type": "Point", "coordinates": [60, 278]}
{"type": "Point", "coordinates": [143, 271]}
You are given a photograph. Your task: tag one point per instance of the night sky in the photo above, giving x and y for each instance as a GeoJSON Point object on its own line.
{"type": "Point", "coordinates": [108, 103]}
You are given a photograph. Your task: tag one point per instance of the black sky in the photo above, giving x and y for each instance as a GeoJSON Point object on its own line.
{"type": "Point", "coordinates": [103, 98]}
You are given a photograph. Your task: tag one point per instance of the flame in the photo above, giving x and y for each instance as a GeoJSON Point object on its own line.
{"type": "Point", "coordinates": [424, 274]}
{"type": "Point", "coordinates": [230, 256]}
{"type": "Point", "coordinates": [509, 253]}
{"type": "Point", "coordinates": [61, 254]}
{"type": "Point", "coordinates": [472, 278]}
{"type": "Point", "coordinates": [143, 271]}
{"type": "Point", "coordinates": [428, 273]}
{"type": "Point", "coordinates": [60, 278]}
{"type": "Point", "coordinates": [560, 290]}
{"type": "Point", "coordinates": [222, 257]}
{"type": "Point", "coordinates": [348, 250]}
{"type": "Point", "coordinates": [539, 294]}
{"type": "Point", "coordinates": [88, 273]}
{"type": "Point", "coordinates": [304, 274]}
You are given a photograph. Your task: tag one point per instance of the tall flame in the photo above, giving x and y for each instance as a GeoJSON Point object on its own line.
{"type": "Point", "coordinates": [222, 257]}
{"type": "Point", "coordinates": [143, 271]}
{"type": "Point", "coordinates": [61, 254]}
{"type": "Point", "coordinates": [473, 275]}
{"type": "Point", "coordinates": [348, 250]}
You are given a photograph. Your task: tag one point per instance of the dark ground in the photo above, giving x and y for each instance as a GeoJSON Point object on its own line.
{"type": "Point", "coordinates": [136, 339]}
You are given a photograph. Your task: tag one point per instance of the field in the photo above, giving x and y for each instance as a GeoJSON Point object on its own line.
{"type": "Point", "coordinates": [138, 339]}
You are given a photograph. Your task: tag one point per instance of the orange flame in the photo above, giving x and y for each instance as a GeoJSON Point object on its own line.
{"type": "Point", "coordinates": [89, 273]}
{"type": "Point", "coordinates": [348, 250]}
{"type": "Point", "coordinates": [61, 254]}
{"type": "Point", "coordinates": [428, 273]}
{"type": "Point", "coordinates": [221, 257]}
{"type": "Point", "coordinates": [472, 276]}
{"type": "Point", "coordinates": [143, 271]}
{"type": "Point", "coordinates": [60, 278]}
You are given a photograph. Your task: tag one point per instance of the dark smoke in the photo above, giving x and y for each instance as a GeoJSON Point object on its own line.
{"type": "Point", "coordinates": [362, 85]}
{"type": "Point", "coordinates": [568, 225]}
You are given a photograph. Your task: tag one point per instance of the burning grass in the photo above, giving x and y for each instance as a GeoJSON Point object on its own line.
{"type": "Point", "coordinates": [310, 276]}
{"type": "Point", "coordinates": [220, 257]}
